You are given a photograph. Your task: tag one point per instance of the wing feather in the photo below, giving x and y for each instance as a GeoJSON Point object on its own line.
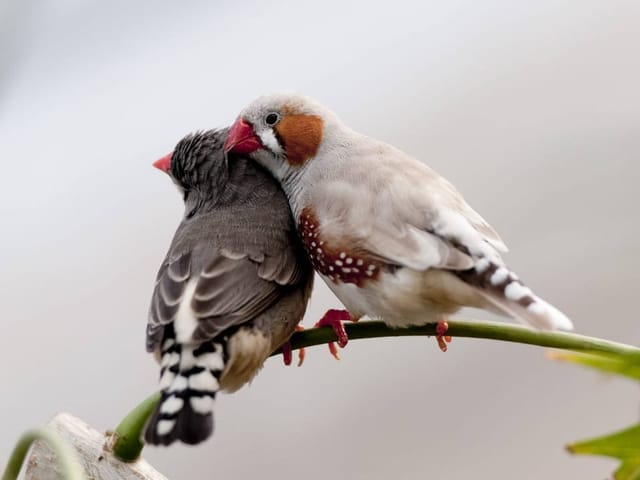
{"type": "Point", "coordinates": [416, 219]}
{"type": "Point", "coordinates": [231, 288]}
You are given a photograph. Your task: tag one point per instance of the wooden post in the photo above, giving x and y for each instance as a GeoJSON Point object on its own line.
{"type": "Point", "coordinates": [89, 445]}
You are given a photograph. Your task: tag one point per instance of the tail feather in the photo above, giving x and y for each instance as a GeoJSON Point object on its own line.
{"type": "Point", "coordinates": [189, 382]}
{"type": "Point", "coordinates": [506, 292]}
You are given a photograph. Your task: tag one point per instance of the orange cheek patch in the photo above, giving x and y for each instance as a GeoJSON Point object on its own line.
{"type": "Point", "coordinates": [301, 136]}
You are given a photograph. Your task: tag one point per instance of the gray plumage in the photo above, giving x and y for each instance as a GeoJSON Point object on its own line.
{"type": "Point", "coordinates": [366, 203]}
{"type": "Point", "coordinates": [232, 288]}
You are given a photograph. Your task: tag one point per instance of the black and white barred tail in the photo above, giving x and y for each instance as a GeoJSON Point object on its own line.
{"type": "Point", "coordinates": [506, 292]}
{"type": "Point", "coordinates": [189, 382]}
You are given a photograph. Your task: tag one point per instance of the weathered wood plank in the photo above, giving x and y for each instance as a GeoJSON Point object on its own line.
{"type": "Point", "coordinates": [98, 463]}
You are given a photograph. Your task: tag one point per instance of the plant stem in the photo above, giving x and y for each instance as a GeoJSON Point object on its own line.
{"type": "Point", "coordinates": [126, 441]}
{"type": "Point", "coordinates": [127, 445]}
{"type": "Point", "coordinates": [69, 466]}
{"type": "Point", "coordinates": [472, 329]}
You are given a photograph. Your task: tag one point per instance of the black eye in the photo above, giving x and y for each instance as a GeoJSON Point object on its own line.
{"type": "Point", "coordinates": [271, 119]}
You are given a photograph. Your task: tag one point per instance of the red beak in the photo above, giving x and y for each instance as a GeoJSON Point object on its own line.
{"type": "Point", "coordinates": [164, 163]}
{"type": "Point", "coordinates": [242, 139]}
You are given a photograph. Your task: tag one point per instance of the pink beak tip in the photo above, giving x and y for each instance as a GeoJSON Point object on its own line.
{"type": "Point", "coordinates": [163, 163]}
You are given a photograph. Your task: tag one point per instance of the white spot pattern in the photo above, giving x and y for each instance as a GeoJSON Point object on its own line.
{"type": "Point", "coordinates": [204, 381]}
{"type": "Point", "coordinates": [171, 405]}
{"type": "Point", "coordinates": [165, 426]}
{"type": "Point", "coordinates": [499, 276]}
{"type": "Point", "coordinates": [202, 405]}
{"type": "Point", "coordinates": [515, 291]}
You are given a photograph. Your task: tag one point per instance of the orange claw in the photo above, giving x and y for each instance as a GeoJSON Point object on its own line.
{"type": "Point", "coordinates": [441, 337]}
{"type": "Point", "coordinates": [302, 353]}
{"type": "Point", "coordinates": [334, 350]}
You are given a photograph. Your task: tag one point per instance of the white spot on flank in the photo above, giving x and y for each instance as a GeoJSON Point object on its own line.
{"type": "Point", "coordinates": [203, 381]}
{"type": "Point", "coordinates": [342, 254]}
{"type": "Point", "coordinates": [165, 426]}
{"type": "Point", "coordinates": [201, 405]}
{"type": "Point", "coordinates": [371, 267]}
{"type": "Point", "coordinates": [356, 270]}
{"type": "Point", "coordinates": [360, 262]}
{"type": "Point", "coordinates": [331, 268]}
{"type": "Point", "coordinates": [319, 250]}
{"type": "Point", "coordinates": [313, 244]}
{"type": "Point", "coordinates": [515, 291]}
{"type": "Point", "coordinates": [171, 405]}
{"type": "Point", "coordinates": [482, 265]}
{"type": "Point", "coordinates": [349, 261]}
{"type": "Point", "coordinates": [346, 270]}
{"type": "Point", "coordinates": [499, 276]}
{"type": "Point", "coordinates": [339, 263]}
{"type": "Point", "coordinates": [369, 272]}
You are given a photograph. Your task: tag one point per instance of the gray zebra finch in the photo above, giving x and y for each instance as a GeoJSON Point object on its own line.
{"type": "Point", "coordinates": [233, 287]}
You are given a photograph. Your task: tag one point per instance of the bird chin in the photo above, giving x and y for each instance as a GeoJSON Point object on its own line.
{"type": "Point", "coordinates": [275, 165]}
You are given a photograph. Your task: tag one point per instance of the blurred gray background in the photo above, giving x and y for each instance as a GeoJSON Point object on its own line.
{"type": "Point", "coordinates": [532, 108]}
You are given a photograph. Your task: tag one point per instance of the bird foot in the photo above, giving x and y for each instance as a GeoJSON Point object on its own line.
{"type": "Point", "coordinates": [441, 337]}
{"type": "Point", "coordinates": [287, 354]}
{"type": "Point", "coordinates": [334, 318]}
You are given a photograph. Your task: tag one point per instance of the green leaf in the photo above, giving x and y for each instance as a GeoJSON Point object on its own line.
{"type": "Point", "coordinates": [623, 445]}
{"type": "Point", "coordinates": [625, 366]}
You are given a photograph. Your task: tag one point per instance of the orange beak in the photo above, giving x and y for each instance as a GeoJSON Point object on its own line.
{"type": "Point", "coordinates": [164, 163]}
{"type": "Point", "coordinates": [242, 139]}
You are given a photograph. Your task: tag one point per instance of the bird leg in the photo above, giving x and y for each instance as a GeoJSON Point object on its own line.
{"type": "Point", "coordinates": [441, 335]}
{"type": "Point", "coordinates": [287, 354]}
{"type": "Point", "coordinates": [334, 318]}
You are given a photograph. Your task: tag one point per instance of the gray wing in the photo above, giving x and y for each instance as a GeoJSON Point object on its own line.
{"type": "Point", "coordinates": [222, 288]}
{"type": "Point", "coordinates": [414, 218]}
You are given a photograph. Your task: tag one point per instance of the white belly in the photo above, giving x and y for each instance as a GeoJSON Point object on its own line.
{"type": "Point", "coordinates": [406, 297]}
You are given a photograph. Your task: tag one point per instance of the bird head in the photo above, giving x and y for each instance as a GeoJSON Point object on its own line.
{"type": "Point", "coordinates": [197, 165]}
{"type": "Point", "coordinates": [283, 132]}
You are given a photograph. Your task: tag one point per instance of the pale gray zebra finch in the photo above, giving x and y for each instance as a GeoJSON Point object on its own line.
{"type": "Point", "coordinates": [392, 238]}
{"type": "Point", "coordinates": [232, 288]}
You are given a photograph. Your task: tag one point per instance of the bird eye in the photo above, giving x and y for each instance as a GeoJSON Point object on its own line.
{"type": "Point", "coordinates": [271, 119]}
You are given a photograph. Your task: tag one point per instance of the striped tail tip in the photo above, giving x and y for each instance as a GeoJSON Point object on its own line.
{"type": "Point", "coordinates": [506, 292]}
{"type": "Point", "coordinates": [189, 383]}
{"type": "Point", "coordinates": [556, 320]}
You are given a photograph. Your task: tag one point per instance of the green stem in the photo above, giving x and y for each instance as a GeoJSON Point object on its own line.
{"type": "Point", "coordinates": [69, 466]}
{"type": "Point", "coordinates": [126, 441]}
{"type": "Point", "coordinates": [472, 329]}
{"type": "Point", "coordinates": [127, 445]}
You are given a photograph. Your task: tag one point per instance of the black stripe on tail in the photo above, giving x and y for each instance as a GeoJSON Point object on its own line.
{"type": "Point", "coordinates": [497, 279]}
{"type": "Point", "coordinates": [505, 292]}
{"type": "Point", "coordinates": [189, 382]}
